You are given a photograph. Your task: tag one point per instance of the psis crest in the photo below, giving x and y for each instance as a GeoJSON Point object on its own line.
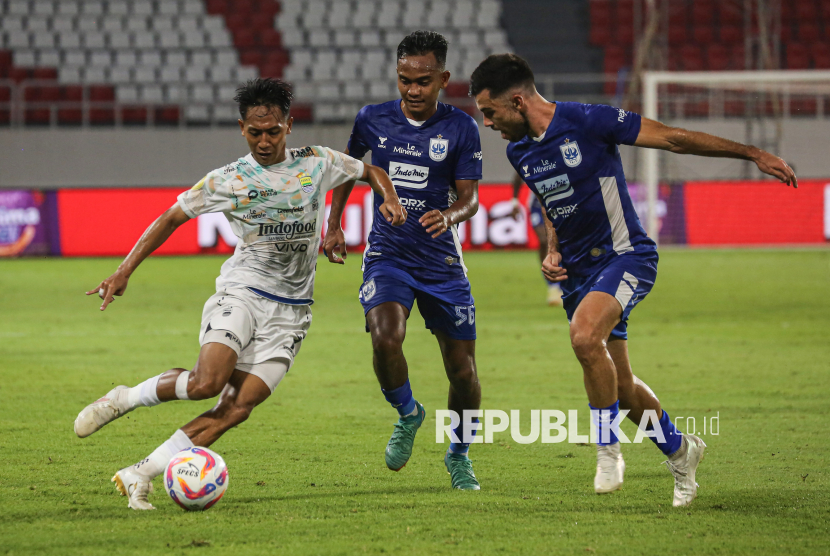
{"type": "Point", "coordinates": [368, 290]}
{"type": "Point", "coordinates": [571, 154]}
{"type": "Point", "coordinates": [438, 148]}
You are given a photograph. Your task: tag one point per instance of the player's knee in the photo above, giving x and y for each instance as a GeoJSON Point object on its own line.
{"type": "Point", "coordinates": [585, 344]}
{"type": "Point", "coordinates": [202, 386]}
{"type": "Point", "coordinates": [462, 377]}
{"type": "Point", "coordinates": [238, 414]}
{"type": "Point", "coordinates": [388, 344]}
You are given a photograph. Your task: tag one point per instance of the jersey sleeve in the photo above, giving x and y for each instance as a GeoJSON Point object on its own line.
{"type": "Point", "coordinates": [469, 162]}
{"type": "Point", "coordinates": [339, 168]}
{"type": "Point", "coordinates": [357, 145]}
{"type": "Point", "coordinates": [612, 125]}
{"type": "Point", "coordinates": [212, 194]}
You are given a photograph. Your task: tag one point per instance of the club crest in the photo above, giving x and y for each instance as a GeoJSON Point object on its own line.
{"type": "Point", "coordinates": [571, 154]}
{"type": "Point", "coordinates": [438, 148]}
{"type": "Point", "coordinates": [368, 290]}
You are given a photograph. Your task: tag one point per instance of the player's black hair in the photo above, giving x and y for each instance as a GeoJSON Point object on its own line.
{"type": "Point", "coordinates": [500, 73]}
{"type": "Point", "coordinates": [264, 91]}
{"type": "Point", "coordinates": [420, 43]}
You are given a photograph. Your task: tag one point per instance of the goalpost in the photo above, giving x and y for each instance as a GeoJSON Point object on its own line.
{"type": "Point", "coordinates": [752, 95]}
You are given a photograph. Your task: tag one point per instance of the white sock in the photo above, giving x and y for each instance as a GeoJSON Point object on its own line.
{"type": "Point", "coordinates": [144, 394]}
{"type": "Point", "coordinates": [155, 464]}
{"type": "Point", "coordinates": [181, 385]}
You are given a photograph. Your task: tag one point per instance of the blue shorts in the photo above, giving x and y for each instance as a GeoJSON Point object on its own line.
{"type": "Point", "coordinates": [446, 306]}
{"type": "Point", "coordinates": [629, 278]}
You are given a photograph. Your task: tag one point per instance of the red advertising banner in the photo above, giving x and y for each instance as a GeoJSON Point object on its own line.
{"type": "Point", "coordinates": [108, 222]}
{"type": "Point", "coordinates": [743, 213]}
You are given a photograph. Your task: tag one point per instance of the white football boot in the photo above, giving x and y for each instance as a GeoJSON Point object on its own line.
{"type": "Point", "coordinates": [102, 411]}
{"type": "Point", "coordinates": [683, 465]}
{"type": "Point", "coordinates": [135, 486]}
{"type": "Point", "coordinates": [554, 295]}
{"type": "Point", "coordinates": [610, 469]}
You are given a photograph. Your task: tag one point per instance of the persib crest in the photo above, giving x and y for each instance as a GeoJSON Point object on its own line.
{"type": "Point", "coordinates": [438, 148]}
{"type": "Point", "coordinates": [571, 154]}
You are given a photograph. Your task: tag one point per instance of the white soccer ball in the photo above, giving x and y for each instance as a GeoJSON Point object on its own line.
{"type": "Point", "coordinates": [196, 478]}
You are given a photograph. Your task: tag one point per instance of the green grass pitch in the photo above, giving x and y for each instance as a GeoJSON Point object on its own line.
{"type": "Point", "coordinates": [739, 334]}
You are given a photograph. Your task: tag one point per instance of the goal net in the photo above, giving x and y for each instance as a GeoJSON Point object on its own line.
{"type": "Point", "coordinates": [760, 104]}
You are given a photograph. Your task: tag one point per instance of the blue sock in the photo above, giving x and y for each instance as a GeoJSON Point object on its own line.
{"type": "Point", "coordinates": [673, 437]}
{"type": "Point", "coordinates": [461, 447]}
{"type": "Point", "coordinates": [603, 416]}
{"type": "Point", "coordinates": [401, 398]}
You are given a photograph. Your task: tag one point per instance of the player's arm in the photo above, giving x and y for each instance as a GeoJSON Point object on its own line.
{"type": "Point", "coordinates": [516, 212]}
{"type": "Point", "coordinates": [439, 221]}
{"type": "Point", "coordinates": [152, 238]}
{"type": "Point", "coordinates": [655, 135]}
{"type": "Point", "coordinates": [391, 208]}
{"type": "Point", "coordinates": [550, 266]}
{"type": "Point", "coordinates": [334, 244]}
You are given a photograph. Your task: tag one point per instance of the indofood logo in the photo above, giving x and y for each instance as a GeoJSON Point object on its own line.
{"type": "Point", "coordinates": [288, 229]}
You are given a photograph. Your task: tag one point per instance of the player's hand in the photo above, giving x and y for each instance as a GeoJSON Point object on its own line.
{"type": "Point", "coordinates": [394, 213]}
{"type": "Point", "coordinates": [114, 285]}
{"type": "Point", "coordinates": [551, 268]}
{"type": "Point", "coordinates": [436, 222]}
{"type": "Point", "coordinates": [516, 212]}
{"type": "Point", "coordinates": [776, 167]}
{"type": "Point", "coordinates": [334, 245]}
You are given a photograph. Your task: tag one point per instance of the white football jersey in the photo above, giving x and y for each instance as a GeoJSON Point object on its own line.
{"type": "Point", "coordinates": [277, 213]}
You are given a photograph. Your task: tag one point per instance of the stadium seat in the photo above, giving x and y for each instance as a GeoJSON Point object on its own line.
{"type": "Point", "coordinates": [691, 56]}
{"type": "Point", "coordinates": [820, 53]}
{"type": "Point", "coordinates": [677, 33]}
{"type": "Point", "coordinates": [703, 33]}
{"type": "Point", "coordinates": [805, 10]}
{"type": "Point", "coordinates": [717, 57]}
{"type": "Point", "coordinates": [798, 56]}
{"type": "Point", "coordinates": [730, 12]}
{"type": "Point", "coordinates": [134, 115]}
{"type": "Point", "coordinates": [703, 12]}
{"type": "Point", "coordinates": [731, 34]}
{"type": "Point", "coordinates": [808, 32]}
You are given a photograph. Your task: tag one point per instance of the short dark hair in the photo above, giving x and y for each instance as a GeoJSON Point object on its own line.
{"type": "Point", "coordinates": [499, 73]}
{"type": "Point", "coordinates": [265, 91]}
{"type": "Point", "coordinates": [420, 43]}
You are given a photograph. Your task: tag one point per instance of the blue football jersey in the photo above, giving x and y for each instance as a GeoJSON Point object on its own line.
{"type": "Point", "coordinates": [576, 168]}
{"type": "Point", "coordinates": [423, 162]}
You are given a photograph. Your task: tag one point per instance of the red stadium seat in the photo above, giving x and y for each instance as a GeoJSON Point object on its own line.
{"type": "Point", "coordinates": [625, 34]}
{"type": "Point", "coordinates": [731, 34]}
{"type": "Point", "coordinates": [5, 113]}
{"type": "Point", "coordinates": [677, 13]}
{"type": "Point", "coordinates": [738, 53]}
{"type": "Point", "coordinates": [271, 70]}
{"type": "Point", "coordinates": [457, 89]}
{"type": "Point", "coordinates": [276, 57]}
{"type": "Point", "coordinates": [241, 7]}
{"type": "Point", "coordinates": [134, 115]}
{"type": "Point", "coordinates": [717, 57]}
{"type": "Point", "coordinates": [703, 12]}
{"type": "Point", "coordinates": [5, 59]}
{"type": "Point", "coordinates": [266, 9]}
{"type": "Point", "coordinates": [250, 57]}
{"type": "Point", "coordinates": [615, 58]}
{"type": "Point", "coordinates": [677, 33]}
{"type": "Point", "coordinates": [167, 115]}
{"type": "Point", "coordinates": [70, 112]}
{"type": "Point", "coordinates": [787, 34]}
{"type": "Point", "coordinates": [805, 10]}
{"type": "Point", "coordinates": [101, 116]}
{"type": "Point", "coordinates": [824, 10]}
{"type": "Point", "coordinates": [217, 7]}
{"type": "Point", "coordinates": [625, 13]}
{"type": "Point", "coordinates": [803, 106]}
{"type": "Point", "coordinates": [5, 94]}
{"type": "Point", "coordinates": [101, 93]}
{"type": "Point", "coordinates": [269, 38]}
{"type": "Point", "coordinates": [821, 55]}
{"type": "Point", "coordinates": [600, 35]}
{"type": "Point", "coordinates": [45, 73]}
{"type": "Point", "coordinates": [19, 74]}
{"type": "Point", "coordinates": [600, 11]}
{"type": "Point", "coordinates": [692, 57]}
{"type": "Point", "coordinates": [703, 33]}
{"type": "Point", "coordinates": [730, 12]}
{"type": "Point", "coordinates": [798, 57]}
{"type": "Point", "coordinates": [808, 32]}
{"type": "Point", "coordinates": [302, 113]}
{"type": "Point", "coordinates": [244, 38]}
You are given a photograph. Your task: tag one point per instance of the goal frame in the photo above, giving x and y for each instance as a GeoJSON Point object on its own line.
{"type": "Point", "coordinates": [652, 80]}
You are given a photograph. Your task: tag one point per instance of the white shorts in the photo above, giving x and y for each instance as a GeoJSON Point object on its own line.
{"type": "Point", "coordinates": [259, 330]}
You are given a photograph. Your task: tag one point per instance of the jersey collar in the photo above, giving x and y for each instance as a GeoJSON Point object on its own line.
{"type": "Point", "coordinates": [438, 113]}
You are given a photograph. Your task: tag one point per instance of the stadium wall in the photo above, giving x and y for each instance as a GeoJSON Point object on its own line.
{"type": "Point", "coordinates": [124, 157]}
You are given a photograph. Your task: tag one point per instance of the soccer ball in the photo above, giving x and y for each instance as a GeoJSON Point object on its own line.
{"type": "Point", "coordinates": [196, 478]}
